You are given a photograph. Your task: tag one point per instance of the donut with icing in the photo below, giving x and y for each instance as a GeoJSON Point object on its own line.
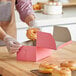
{"type": "Point", "coordinates": [47, 68]}
{"type": "Point", "coordinates": [32, 33]}
{"type": "Point", "coordinates": [70, 64]}
{"type": "Point", "coordinates": [62, 71]}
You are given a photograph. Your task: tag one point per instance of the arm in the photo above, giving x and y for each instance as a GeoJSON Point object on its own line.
{"type": "Point", "coordinates": [2, 34]}
{"type": "Point", "coordinates": [27, 15]}
{"type": "Point", "coordinates": [11, 43]}
{"type": "Point", "coordinates": [25, 10]}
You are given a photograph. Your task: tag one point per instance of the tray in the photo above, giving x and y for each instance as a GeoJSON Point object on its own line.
{"type": "Point", "coordinates": [37, 73]}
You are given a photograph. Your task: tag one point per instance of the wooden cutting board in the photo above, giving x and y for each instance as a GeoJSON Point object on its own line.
{"type": "Point", "coordinates": [9, 66]}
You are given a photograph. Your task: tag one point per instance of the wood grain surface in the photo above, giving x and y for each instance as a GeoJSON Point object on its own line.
{"type": "Point", "coordinates": [9, 66]}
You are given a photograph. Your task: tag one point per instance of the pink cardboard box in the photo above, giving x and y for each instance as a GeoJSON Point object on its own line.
{"type": "Point", "coordinates": [44, 44]}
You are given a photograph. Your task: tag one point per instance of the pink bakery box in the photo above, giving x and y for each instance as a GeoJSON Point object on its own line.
{"type": "Point", "coordinates": [44, 44]}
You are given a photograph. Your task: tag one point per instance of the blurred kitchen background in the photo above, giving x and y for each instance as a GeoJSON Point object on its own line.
{"type": "Point", "coordinates": [47, 22]}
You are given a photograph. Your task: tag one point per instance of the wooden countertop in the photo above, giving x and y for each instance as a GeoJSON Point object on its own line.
{"type": "Point", "coordinates": [9, 66]}
{"type": "Point", "coordinates": [69, 4]}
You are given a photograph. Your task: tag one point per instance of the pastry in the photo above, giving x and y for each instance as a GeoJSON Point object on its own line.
{"type": "Point", "coordinates": [62, 71]}
{"type": "Point", "coordinates": [32, 33]}
{"type": "Point", "coordinates": [70, 64]}
{"type": "Point", "coordinates": [37, 6]}
{"type": "Point", "coordinates": [47, 68]}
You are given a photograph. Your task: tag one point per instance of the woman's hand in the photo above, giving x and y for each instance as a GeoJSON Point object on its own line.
{"type": "Point", "coordinates": [12, 45]}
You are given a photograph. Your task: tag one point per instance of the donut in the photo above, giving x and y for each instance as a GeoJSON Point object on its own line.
{"type": "Point", "coordinates": [62, 71]}
{"type": "Point", "coordinates": [32, 33]}
{"type": "Point", "coordinates": [47, 68]}
{"type": "Point", "coordinates": [70, 64]}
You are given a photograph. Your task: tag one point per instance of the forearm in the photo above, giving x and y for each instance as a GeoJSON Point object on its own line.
{"type": "Point", "coordinates": [2, 34]}
{"type": "Point", "coordinates": [25, 10]}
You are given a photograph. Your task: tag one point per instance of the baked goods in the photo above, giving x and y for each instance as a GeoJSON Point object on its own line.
{"type": "Point", "coordinates": [70, 64]}
{"type": "Point", "coordinates": [32, 33]}
{"type": "Point", "coordinates": [61, 72]}
{"type": "Point", "coordinates": [52, 8]}
{"type": "Point", "coordinates": [37, 6]}
{"type": "Point", "coordinates": [47, 68]}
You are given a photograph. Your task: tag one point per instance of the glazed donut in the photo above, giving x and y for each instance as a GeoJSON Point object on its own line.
{"type": "Point", "coordinates": [70, 64]}
{"type": "Point", "coordinates": [47, 68]}
{"type": "Point", "coordinates": [32, 33]}
{"type": "Point", "coordinates": [62, 71]}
